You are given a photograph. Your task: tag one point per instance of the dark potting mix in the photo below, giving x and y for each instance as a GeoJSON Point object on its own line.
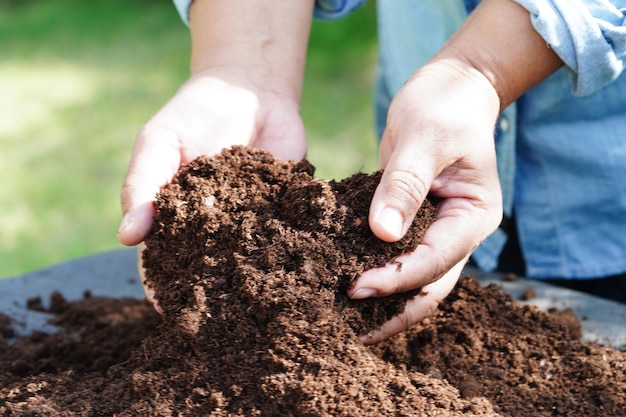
{"type": "Point", "coordinates": [250, 259]}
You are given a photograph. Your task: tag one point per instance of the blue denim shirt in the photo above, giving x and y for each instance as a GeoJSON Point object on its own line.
{"type": "Point", "coordinates": [561, 147]}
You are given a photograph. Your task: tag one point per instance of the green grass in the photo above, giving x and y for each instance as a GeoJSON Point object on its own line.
{"type": "Point", "coordinates": [337, 97]}
{"type": "Point", "coordinates": [79, 78]}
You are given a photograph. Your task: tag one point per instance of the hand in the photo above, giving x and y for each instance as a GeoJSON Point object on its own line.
{"type": "Point", "coordinates": [439, 140]}
{"type": "Point", "coordinates": [247, 64]}
{"type": "Point", "coordinates": [207, 114]}
{"type": "Point", "coordinates": [211, 111]}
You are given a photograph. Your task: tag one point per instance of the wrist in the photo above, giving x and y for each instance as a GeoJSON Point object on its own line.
{"type": "Point", "coordinates": [460, 78]}
{"type": "Point", "coordinates": [263, 41]}
{"type": "Point", "coordinates": [450, 94]}
{"type": "Point", "coordinates": [499, 42]}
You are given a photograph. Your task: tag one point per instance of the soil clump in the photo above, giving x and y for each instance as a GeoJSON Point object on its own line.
{"type": "Point", "coordinates": [250, 258]}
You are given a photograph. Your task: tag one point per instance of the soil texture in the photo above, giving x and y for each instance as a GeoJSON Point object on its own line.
{"type": "Point", "coordinates": [250, 259]}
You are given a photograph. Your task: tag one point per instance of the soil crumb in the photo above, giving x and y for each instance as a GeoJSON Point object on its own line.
{"type": "Point", "coordinates": [250, 259]}
{"type": "Point", "coordinates": [528, 294]}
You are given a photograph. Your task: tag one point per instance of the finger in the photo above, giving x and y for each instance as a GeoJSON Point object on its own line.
{"type": "Point", "coordinates": [287, 138]}
{"type": "Point", "coordinates": [147, 287]}
{"type": "Point", "coordinates": [423, 305]}
{"type": "Point", "coordinates": [155, 160]}
{"type": "Point", "coordinates": [460, 226]}
{"type": "Point", "coordinates": [402, 189]}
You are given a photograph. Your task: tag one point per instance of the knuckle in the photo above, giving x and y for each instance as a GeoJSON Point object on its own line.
{"type": "Point", "coordinates": [155, 132]}
{"type": "Point", "coordinates": [407, 187]}
{"type": "Point", "coordinates": [126, 194]}
{"type": "Point", "coordinates": [389, 287]}
{"type": "Point", "coordinates": [441, 262]}
{"type": "Point", "coordinates": [147, 131]}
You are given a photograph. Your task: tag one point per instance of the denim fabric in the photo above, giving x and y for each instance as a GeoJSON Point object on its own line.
{"type": "Point", "coordinates": [183, 9]}
{"type": "Point", "coordinates": [470, 5]}
{"type": "Point", "coordinates": [570, 189]}
{"type": "Point", "coordinates": [588, 35]}
{"type": "Point", "coordinates": [334, 9]}
{"type": "Point", "coordinates": [324, 9]}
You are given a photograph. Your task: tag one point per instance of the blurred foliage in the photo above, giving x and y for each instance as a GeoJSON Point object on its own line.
{"type": "Point", "coordinates": [337, 105]}
{"type": "Point", "coordinates": [79, 78]}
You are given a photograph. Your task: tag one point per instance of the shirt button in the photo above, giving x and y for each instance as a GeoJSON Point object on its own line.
{"type": "Point", "coordinates": [505, 125]}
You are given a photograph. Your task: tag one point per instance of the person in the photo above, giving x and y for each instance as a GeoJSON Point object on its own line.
{"type": "Point", "coordinates": [512, 112]}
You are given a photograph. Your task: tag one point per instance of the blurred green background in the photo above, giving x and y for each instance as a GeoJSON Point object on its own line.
{"type": "Point", "coordinates": [79, 78]}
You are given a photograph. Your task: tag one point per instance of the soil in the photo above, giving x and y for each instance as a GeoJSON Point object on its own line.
{"type": "Point", "coordinates": [250, 258]}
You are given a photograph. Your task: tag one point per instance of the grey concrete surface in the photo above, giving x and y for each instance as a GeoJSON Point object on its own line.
{"type": "Point", "coordinates": [111, 274]}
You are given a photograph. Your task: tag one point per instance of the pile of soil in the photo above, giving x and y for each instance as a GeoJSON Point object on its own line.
{"type": "Point", "coordinates": [250, 258]}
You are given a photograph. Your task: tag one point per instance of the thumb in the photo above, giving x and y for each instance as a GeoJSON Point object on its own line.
{"type": "Point", "coordinates": [403, 187]}
{"type": "Point", "coordinates": [154, 162]}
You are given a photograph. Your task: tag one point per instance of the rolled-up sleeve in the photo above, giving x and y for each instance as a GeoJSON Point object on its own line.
{"type": "Point", "coordinates": [183, 9]}
{"type": "Point", "coordinates": [335, 9]}
{"type": "Point", "coordinates": [588, 35]}
{"type": "Point", "coordinates": [324, 9]}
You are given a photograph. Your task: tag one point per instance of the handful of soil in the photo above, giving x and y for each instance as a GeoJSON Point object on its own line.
{"type": "Point", "coordinates": [251, 257]}
{"type": "Point", "coordinates": [246, 230]}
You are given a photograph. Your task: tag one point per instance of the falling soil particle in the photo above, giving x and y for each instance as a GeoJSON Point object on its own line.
{"type": "Point", "coordinates": [528, 294]}
{"type": "Point", "coordinates": [250, 259]}
{"type": "Point", "coordinates": [510, 277]}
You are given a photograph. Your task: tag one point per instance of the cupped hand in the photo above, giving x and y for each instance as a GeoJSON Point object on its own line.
{"type": "Point", "coordinates": [213, 110]}
{"type": "Point", "coordinates": [210, 112]}
{"type": "Point", "coordinates": [439, 140]}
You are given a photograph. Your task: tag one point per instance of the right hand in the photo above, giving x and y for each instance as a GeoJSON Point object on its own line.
{"type": "Point", "coordinates": [208, 113]}
{"type": "Point", "coordinates": [247, 63]}
{"type": "Point", "coordinates": [213, 110]}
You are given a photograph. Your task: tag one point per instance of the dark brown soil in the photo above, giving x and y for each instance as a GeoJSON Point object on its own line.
{"type": "Point", "coordinates": [250, 259]}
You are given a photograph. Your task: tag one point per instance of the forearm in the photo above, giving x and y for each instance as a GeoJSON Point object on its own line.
{"type": "Point", "coordinates": [499, 41]}
{"type": "Point", "coordinates": [265, 38]}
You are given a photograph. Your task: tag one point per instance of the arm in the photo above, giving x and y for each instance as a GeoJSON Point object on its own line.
{"type": "Point", "coordinates": [246, 73]}
{"type": "Point", "coordinates": [499, 42]}
{"type": "Point", "coordinates": [439, 140]}
{"type": "Point", "coordinates": [266, 39]}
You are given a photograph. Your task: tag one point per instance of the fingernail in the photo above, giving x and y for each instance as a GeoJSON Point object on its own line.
{"type": "Point", "coordinates": [392, 221]}
{"type": "Point", "coordinates": [127, 220]}
{"type": "Point", "coordinates": [362, 293]}
{"type": "Point", "coordinates": [366, 338]}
